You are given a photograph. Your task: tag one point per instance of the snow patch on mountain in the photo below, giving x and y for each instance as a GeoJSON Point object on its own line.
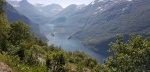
{"type": "Point", "coordinates": [14, 3]}
{"type": "Point", "coordinates": [102, 1]}
{"type": "Point", "coordinates": [124, 9]}
{"type": "Point", "coordinates": [81, 6]}
{"type": "Point", "coordinates": [102, 5]}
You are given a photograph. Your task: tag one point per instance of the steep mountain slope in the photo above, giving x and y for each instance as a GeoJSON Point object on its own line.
{"type": "Point", "coordinates": [63, 17]}
{"type": "Point", "coordinates": [124, 17]}
{"type": "Point", "coordinates": [81, 16]}
{"type": "Point", "coordinates": [30, 11]}
{"type": "Point", "coordinates": [14, 15]}
{"type": "Point", "coordinates": [49, 10]}
{"type": "Point", "coordinates": [98, 23]}
{"type": "Point", "coordinates": [71, 9]}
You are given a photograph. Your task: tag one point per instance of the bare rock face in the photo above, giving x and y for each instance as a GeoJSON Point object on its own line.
{"type": "Point", "coordinates": [4, 68]}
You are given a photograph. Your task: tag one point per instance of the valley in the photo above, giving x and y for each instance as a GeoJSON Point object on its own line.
{"type": "Point", "coordinates": [60, 38]}
{"type": "Point", "coordinates": [102, 36]}
{"type": "Point", "coordinates": [95, 24]}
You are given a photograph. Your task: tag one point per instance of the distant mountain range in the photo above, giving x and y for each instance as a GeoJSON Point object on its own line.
{"type": "Point", "coordinates": [122, 17]}
{"type": "Point", "coordinates": [49, 10]}
{"type": "Point", "coordinates": [43, 14]}
{"type": "Point", "coordinates": [97, 23]}
{"type": "Point", "coordinates": [101, 20]}
{"type": "Point", "coordinates": [63, 15]}
{"type": "Point", "coordinates": [30, 11]}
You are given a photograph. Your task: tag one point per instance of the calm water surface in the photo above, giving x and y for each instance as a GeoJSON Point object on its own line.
{"type": "Point", "coordinates": [72, 44]}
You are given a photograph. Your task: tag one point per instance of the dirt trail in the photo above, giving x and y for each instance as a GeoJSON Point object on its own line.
{"type": "Point", "coordinates": [4, 68]}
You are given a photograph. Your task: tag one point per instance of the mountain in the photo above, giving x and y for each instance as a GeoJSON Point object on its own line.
{"type": "Point", "coordinates": [14, 15]}
{"type": "Point", "coordinates": [124, 17]}
{"type": "Point", "coordinates": [98, 23]}
{"type": "Point", "coordinates": [14, 3]}
{"type": "Point", "coordinates": [30, 11]}
{"type": "Point", "coordinates": [49, 10]}
{"type": "Point", "coordinates": [64, 14]}
{"type": "Point", "coordinates": [71, 9]}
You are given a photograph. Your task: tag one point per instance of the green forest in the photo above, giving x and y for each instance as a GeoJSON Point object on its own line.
{"type": "Point", "coordinates": [22, 52]}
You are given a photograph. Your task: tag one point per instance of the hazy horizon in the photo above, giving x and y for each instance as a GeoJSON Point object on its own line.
{"type": "Point", "coordinates": [63, 3]}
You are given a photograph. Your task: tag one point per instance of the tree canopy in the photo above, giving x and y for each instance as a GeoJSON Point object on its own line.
{"type": "Point", "coordinates": [24, 53]}
{"type": "Point", "coordinates": [130, 56]}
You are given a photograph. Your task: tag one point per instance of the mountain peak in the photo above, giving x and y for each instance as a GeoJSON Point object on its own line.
{"type": "Point", "coordinates": [105, 1]}
{"type": "Point", "coordinates": [24, 1]}
{"type": "Point", "coordinates": [81, 6]}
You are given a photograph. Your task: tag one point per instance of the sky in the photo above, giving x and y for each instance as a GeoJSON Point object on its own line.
{"type": "Point", "coordinates": [63, 3]}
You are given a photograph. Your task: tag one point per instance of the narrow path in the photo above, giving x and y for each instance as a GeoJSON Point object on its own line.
{"type": "Point", "coordinates": [4, 68]}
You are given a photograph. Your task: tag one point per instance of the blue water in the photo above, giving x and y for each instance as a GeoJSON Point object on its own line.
{"type": "Point", "coordinates": [73, 44]}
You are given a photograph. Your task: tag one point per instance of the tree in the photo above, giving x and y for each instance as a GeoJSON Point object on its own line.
{"type": "Point", "coordinates": [59, 60]}
{"type": "Point", "coordinates": [89, 62]}
{"type": "Point", "coordinates": [33, 54]}
{"type": "Point", "coordinates": [21, 54]}
{"type": "Point", "coordinates": [130, 56]}
{"type": "Point", "coordinates": [4, 28]}
{"type": "Point", "coordinates": [19, 32]}
{"type": "Point", "coordinates": [48, 63]}
{"type": "Point", "coordinates": [2, 12]}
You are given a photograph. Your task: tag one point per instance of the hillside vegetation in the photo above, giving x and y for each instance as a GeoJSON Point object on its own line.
{"type": "Point", "coordinates": [24, 53]}
{"type": "Point", "coordinates": [100, 21]}
{"type": "Point", "coordinates": [14, 15]}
